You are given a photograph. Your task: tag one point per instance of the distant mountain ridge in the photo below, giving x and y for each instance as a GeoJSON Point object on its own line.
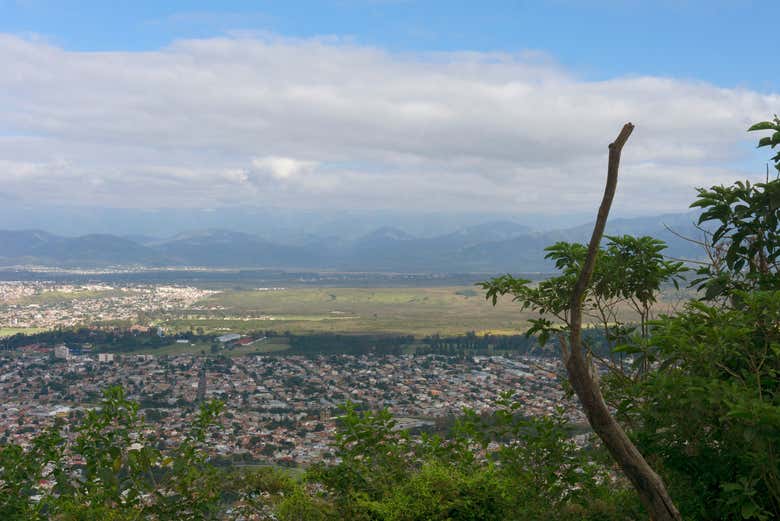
{"type": "Point", "coordinates": [489, 247]}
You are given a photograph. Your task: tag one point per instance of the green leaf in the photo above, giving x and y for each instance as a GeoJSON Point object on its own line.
{"type": "Point", "coordinates": [749, 510]}
{"type": "Point", "coordinates": [764, 125]}
{"type": "Point", "coordinates": [627, 349]}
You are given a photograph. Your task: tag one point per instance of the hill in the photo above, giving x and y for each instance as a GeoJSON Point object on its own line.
{"type": "Point", "coordinates": [496, 246]}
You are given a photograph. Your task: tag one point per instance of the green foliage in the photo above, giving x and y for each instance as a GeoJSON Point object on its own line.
{"type": "Point", "coordinates": [772, 141]}
{"type": "Point", "coordinates": [111, 469]}
{"type": "Point", "coordinates": [710, 414]}
{"type": "Point", "coordinates": [501, 466]}
{"type": "Point", "coordinates": [628, 270]}
{"type": "Point", "coordinates": [745, 246]}
{"type": "Point", "coordinates": [746, 242]}
{"type": "Point", "coordinates": [440, 491]}
{"type": "Point", "coordinates": [705, 406]}
{"type": "Point", "coordinates": [302, 506]}
{"type": "Point", "coordinates": [707, 414]}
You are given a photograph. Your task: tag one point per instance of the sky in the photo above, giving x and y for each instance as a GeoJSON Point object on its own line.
{"type": "Point", "coordinates": [495, 106]}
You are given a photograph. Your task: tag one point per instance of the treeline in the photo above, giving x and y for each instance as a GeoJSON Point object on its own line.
{"type": "Point", "coordinates": [113, 339]}
{"type": "Point", "coordinates": [348, 344]}
{"type": "Point", "coordinates": [461, 345]}
{"type": "Point", "coordinates": [118, 340]}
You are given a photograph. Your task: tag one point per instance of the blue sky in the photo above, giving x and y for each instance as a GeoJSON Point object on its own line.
{"type": "Point", "coordinates": [728, 43]}
{"type": "Point", "coordinates": [400, 105]}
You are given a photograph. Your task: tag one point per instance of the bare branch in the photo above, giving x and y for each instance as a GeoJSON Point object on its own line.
{"type": "Point", "coordinates": [683, 237]}
{"type": "Point", "coordinates": [583, 376]}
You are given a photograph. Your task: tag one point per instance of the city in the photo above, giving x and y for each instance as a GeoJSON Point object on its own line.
{"type": "Point", "coordinates": [279, 409]}
{"type": "Point", "coordinates": [47, 305]}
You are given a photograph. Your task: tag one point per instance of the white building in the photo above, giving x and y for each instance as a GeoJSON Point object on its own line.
{"type": "Point", "coordinates": [105, 357]}
{"type": "Point", "coordinates": [228, 338]}
{"type": "Point", "coordinates": [61, 351]}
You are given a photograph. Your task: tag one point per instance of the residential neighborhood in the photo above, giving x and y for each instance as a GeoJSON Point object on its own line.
{"type": "Point", "coordinates": [47, 304]}
{"type": "Point", "coordinates": [278, 409]}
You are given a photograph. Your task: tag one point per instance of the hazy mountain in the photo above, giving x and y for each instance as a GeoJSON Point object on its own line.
{"type": "Point", "coordinates": [490, 231]}
{"type": "Point", "coordinates": [527, 250]}
{"type": "Point", "coordinates": [282, 225]}
{"type": "Point", "coordinates": [141, 238]}
{"type": "Point", "coordinates": [495, 246]}
{"type": "Point", "coordinates": [34, 246]}
{"type": "Point", "coordinates": [221, 248]}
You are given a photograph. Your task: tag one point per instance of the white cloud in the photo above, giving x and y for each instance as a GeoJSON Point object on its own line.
{"type": "Point", "coordinates": [283, 167]}
{"type": "Point", "coordinates": [310, 123]}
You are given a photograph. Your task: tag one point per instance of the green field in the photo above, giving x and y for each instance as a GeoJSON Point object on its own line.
{"type": "Point", "coordinates": [10, 331]}
{"type": "Point", "coordinates": [417, 311]}
{"type": "Point", "coordinates": [420, 311]}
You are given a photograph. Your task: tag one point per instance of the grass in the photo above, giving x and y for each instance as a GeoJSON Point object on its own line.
{"type": "Point", "coordinates": [417, 311]}
{"type": "Point", "coordinates": [10, 331]}
{"type": "Point", "coordinates": [420, 311]}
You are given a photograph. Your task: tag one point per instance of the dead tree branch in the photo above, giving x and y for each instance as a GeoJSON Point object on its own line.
{"type": "Point", "coordinates": [584, 378]}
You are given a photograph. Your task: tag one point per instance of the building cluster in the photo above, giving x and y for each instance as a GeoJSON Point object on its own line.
{"type": "Point", "coordinates": [50, 305]}
{"type": "Point", "coordinates": [279, 409]}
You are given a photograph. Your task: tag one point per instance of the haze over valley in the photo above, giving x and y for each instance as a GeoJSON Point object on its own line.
{"type": "Point", "coordinates": [488, 247]}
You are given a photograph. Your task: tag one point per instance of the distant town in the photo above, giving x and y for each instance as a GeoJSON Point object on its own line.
{"type": "Point", "coordinates": [279, 409]}
{"type": "Point", "coordinates": [46, 305]}
{"type": "Point", "coordinates": [67, 342]}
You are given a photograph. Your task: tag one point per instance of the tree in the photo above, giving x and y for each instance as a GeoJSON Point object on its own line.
{"type": "Point", "coordinates": [709, 411]}
{"type": "Point", "coordinates": [704, 402]}
{"type": "Point", "coordinates": [124, 474]}
{"type": "Point", "coordinates": [747, 237]}
{"type": "Point", "coordinates": [569, 299]}
{"type": "Point", "coordinates": [498, 466]}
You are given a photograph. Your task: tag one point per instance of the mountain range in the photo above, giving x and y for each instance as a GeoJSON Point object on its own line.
{"type": "Point", "coordinates": [497, 246]}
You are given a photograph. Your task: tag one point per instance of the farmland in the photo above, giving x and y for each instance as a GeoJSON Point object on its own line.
{"type": "Point", "coordinates": [420, 311]}
{"type": "Point", "coordinates": [409, 310]}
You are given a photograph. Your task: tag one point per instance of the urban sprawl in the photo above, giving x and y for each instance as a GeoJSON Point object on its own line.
{"type": "Point", "coordinates": [279, 408]}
